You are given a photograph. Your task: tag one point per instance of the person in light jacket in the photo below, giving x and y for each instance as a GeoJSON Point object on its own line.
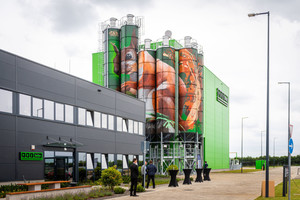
{"type": "Point", "coordinates": [143, 172]}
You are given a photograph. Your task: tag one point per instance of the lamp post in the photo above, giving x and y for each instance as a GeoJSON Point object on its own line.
{"type": "Point", "coordinates": [289, 134]}
{"type": "Point", "coordinates": [268, 86]}
{"type": "Point", "coordinates": [242, 143]}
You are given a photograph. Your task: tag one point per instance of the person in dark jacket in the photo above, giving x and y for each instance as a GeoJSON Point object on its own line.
{"type": "Point", "coordinates": [134, 177]}
{"type": "Point", "coordinates": [151, 170]}
{"type": "Point", "coordinates": [205, 165]}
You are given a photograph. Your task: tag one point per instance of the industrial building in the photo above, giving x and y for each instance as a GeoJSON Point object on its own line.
{"type": "Point", "coordinates": [186, 105]}
{"type": "Point", "coordinates": [54, 126]}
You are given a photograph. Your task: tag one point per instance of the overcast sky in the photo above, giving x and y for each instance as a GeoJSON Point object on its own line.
{"type": "Point", "coordinates": [59, 33]}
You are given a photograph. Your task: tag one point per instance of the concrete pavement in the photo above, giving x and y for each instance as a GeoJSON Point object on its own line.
{"type": "Point", "coordinates": [227, 186]}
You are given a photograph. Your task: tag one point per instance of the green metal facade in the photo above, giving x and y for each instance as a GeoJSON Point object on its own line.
{"type": "Point", "coordinates": [98, 73]}
{"type": "Point", "coordinates": [215, 123]}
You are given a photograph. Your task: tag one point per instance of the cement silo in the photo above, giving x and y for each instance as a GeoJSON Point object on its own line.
{"type": "Point", "coordinates": [146, 85]}
{"type": "Point", "coordinates": [111, 44]}
{"type": "Point", "coordinates": [165, 89]}
{"type": "Point", "coordinates": [129, 49]}
{"type": "Point", "coordinates": [189, 102]}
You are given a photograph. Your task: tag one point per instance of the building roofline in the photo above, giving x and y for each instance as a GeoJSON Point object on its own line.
{"type": "Point", "coordinates": [216, 76]}
{"type": "Point", "coordinates": [76, 77]}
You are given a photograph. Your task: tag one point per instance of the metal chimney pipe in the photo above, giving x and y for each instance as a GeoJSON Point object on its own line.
{"type": "Point", "coordinates": [195, 45]}
{"type": "Point", "coordinates": [112, 22]}
{"type": "Point", "coordinates": [147, 43]}
{"type": "Point", "coordinates": [187, 41]}
{"type": "Point", "coordinates": [130, 19]}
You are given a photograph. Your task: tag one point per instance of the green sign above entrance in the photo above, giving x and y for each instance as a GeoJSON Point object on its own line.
{"type": "Point", "coordinates": [31, 156]}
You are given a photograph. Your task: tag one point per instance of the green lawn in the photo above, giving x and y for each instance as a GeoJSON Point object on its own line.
{"type": "Point", "coordinates": [295, 191]}
{"type": "Point", "coordinates": [160, 181]}
{"type": "Point", "coordinates": [239, 171]}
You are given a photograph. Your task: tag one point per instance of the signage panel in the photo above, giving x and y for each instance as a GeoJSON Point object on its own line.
{"type": "Point", "coordinates": [31, 155]}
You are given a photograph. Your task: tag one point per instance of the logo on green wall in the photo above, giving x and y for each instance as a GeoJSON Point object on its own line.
{"type": "Point", "coordinates": [31, 156]}
{"type": "Point", "coordinates": [222, 98]}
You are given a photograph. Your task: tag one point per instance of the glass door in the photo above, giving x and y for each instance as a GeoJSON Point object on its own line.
{"type": "Point", "coordinates": [61, 168]}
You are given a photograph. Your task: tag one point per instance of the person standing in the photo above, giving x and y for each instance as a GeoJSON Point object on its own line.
{"type": "Point", "coordinates": [151, 170]}
{"type": "Point", "coordinates": [143, 172]}
{"type": "Point", "coordinates": [134, 177]}
{"type": "Point", "coordinates": [205, 165]}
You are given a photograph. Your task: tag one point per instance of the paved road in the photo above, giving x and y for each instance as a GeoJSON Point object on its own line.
{"type": "Point", "coordinates": [225, 186]}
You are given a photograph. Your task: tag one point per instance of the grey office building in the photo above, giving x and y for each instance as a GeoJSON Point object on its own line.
{"type": "Point", "coordinates": [56, 126]}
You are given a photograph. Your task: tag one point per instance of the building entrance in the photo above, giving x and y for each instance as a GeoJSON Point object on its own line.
{"type": "Point", "coordinates": [58, 165]}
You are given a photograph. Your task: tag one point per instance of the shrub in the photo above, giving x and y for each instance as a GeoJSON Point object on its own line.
{"type": "Point", "coordinates": [11, 188]}
{"type": "Point", "coordinates": [108, 194]}
{"type": "Point", "coordinates": [111, 177]}
{"type": "Point", "coordinates": [140, 188]}
{"type": "Point", "coordinates": [119, 190]}
{"type": "Point", "coordinates": [97, 173]}
{"type": "Point", "coordinates": [172, 167]}
{"type": "Point", "coordinates": [126, 179]}
{"type": "Point", "coordinates": [82, 174]}
{"type": "Point", "coordinates": [191, 178]}
{"type": "Point", "coordinates": [140, 178]}
{"type": "Point", "coordinates": [63, 185]}
{"type": "Point", "coordinates": [80, 196]}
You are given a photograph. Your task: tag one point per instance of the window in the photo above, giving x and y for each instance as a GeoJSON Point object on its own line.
{"type": "Point", "coordinates": [130, 160]}
{"type": "Point", "coordinates": [125, 164]}
{"type": "Point", "coordinates": [104, 162]}
{"type": "Point", "coordinates": [141, 128]}
{"type": "Point", "coordinates": [25, 105]}
{"type": "Point", "coordinates": [49, 154]}
{"type": "Point", "coordinates": [104, 120]}
{"type": "Point", "coordinates": [37, 107]}
{"type": "Point", "coordinates": [89, 162]}
{"type": "Point", "coordinates": [111, 160]}
{"type": "Point", "coordinates": [63, 154]}
{"type": "Point", "coordinates": [97, 119]}
{"type": "Point", "coordinates": [81, 116]}
{"type": "Point", "coordinates": [90, 118]}
{"type": "Point", "coordinates": [48, 109]}
{"type": "Point", "coordinates": [130, 126]}
{"type": "Point", "coordinates": [141, 160]}
{"type": "Point", "coordinates": [110, 122]}
{"type": "Point", "coordinates": [97, 160]}
{"type": "Point", "coordinates": [6, 101]}
{"type": "Point", "coordinates": [125, 128]}
{"type": "Point", "coordinates": [82, 165]}
{"type": "Point", "coordinates": [135, 127]}
{"type": "Point", "coordinates": [59, 111]}
{"type": "Point", "coordinates": [119, 162]}
{"type": "Point", "coordinates": [119, 124]}
{"type": "Point", "coordinates": [69, 114]}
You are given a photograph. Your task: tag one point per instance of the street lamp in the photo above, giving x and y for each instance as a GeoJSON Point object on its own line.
{"type": "Point", "coordinates": [289, 134]}
{"type": "Point", "coordinates": [242, 143]}
{"type": "Point", "coordinates": [267, 121]}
